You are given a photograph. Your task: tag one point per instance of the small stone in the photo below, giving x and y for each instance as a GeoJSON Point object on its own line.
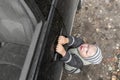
{"type": "Point", "coordinates": [97, 30]}
{"type": "Point", "coordinates": [101, 11]}
{"type": "Point", "coordinates": [106, 18]}
{"type": "Point", "coordinates": [117, 47]}
{"type": "Point", "coordinates": [109, 26]}
{"type": "Point", "coordinates": [90, 20]}
{"type": "Point", "coordinates": [111, 19]}
{"type": "Point", "coordinates": [90, 4]}
{"type": "Point", "coordinates": [110, 68]}
{"type": "Point", "coordinates": [114, 29]}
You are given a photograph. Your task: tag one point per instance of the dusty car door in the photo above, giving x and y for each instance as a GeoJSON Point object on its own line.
{"type": "Point", "coordinates": [40, 63]}
{"type": "Point", "coordinates": [37, 23]}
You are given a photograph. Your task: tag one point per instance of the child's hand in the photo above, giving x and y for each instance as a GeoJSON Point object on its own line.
{"type": "Point", "coordinates": [63, 40]}
{"type": "Point", "coordinates": [60, 49]}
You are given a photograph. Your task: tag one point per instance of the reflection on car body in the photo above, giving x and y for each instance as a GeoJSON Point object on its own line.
{"type": "Point", "coordinates": [38, 23]}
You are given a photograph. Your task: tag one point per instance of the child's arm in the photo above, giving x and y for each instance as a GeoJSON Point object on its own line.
{"type": "Point", "coordinates": [74, 42]}
{"type": "Point", "coordinates": [69, 58]}
{"type": "Point", "coordinates": [70, 40]}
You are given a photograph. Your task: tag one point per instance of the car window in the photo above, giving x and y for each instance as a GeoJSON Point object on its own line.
{"type": "Point", "coordinates": [40, 8]}
{"type": "Point", "coordinates": [44, 6]}
{"type": "Point", "coordinates": [35, 9]}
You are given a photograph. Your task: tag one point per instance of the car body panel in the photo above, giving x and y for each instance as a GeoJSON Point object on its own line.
{"type": "Point", "coordinates": [67, 10]}
{"type": "Point", "coordinates": [38, 25]}
{"type": "Point", "coordinates": [18, 22]}
{"type": "Point", "coordinates": [15, 24]}
{"type": "Point", "coordinates": [43, 65]}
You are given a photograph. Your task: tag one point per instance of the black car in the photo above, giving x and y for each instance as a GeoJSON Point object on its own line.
{"type": "Point", "coordinates": [37, 24]}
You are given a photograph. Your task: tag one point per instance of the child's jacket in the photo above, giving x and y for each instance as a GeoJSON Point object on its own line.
{"type": "Point", "coordinates": [72, 59]}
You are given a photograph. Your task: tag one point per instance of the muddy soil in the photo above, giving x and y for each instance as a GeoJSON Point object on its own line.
{"type": "Point", "coordinates": [98, 22]}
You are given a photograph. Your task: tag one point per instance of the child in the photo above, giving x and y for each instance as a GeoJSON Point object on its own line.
{"type": "Point", "coordinates": [78, 54]}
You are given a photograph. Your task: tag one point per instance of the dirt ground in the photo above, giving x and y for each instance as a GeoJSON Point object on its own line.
{"type": "Point", "coordinates": [98, 22]}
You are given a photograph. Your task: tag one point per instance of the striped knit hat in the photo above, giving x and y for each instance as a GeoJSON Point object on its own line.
{"type": "Point", "coordinates": [96, 58]}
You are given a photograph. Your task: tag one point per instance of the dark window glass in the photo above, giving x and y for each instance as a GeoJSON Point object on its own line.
{"type": "Point", "coordinates": [44, 6]}
{"type": "Point", "coordinates": [40, 8]}
{"type": "Point", "coordinates": [35, 9]}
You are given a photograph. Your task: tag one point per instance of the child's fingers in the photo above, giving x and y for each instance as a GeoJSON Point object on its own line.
{"type": "Point", "coordinates": [58, 48]}
{"type": "Point", "coordinates": [61, 37]}
{"type": "Point", "coordinates": [61, 40]}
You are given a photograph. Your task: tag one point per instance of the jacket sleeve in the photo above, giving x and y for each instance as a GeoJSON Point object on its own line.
{"type": "Point", "coordinates": [72, 60]}
{"type": "Point", "coordinates": [74, 42]}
